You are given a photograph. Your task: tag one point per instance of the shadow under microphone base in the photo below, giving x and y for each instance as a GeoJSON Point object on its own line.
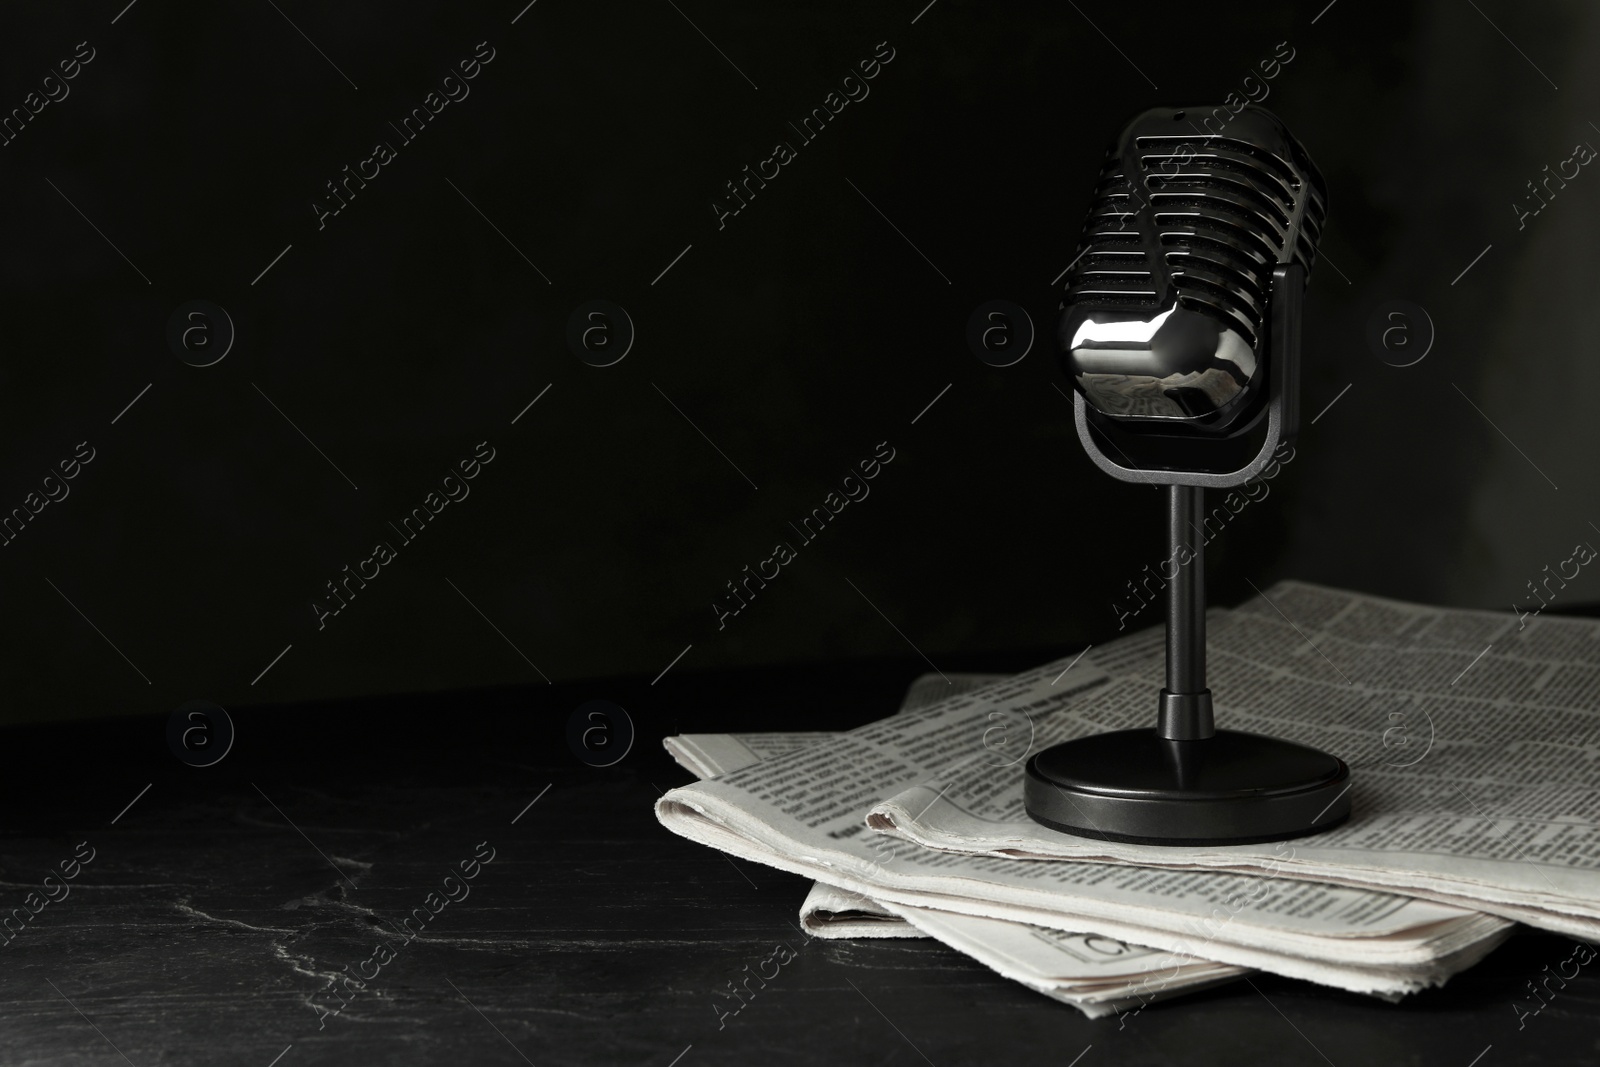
{"type": "Point", "coordinates": [1184, 782]}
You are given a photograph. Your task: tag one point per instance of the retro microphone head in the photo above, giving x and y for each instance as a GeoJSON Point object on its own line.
{"type": "Point", "coordinates": [1164, 324]}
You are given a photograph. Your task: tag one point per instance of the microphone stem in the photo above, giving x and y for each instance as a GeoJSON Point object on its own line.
{"type": "Point", "coordinates": [1186, 702]}
{"type": "Point", "coordinates": [1186, 596]}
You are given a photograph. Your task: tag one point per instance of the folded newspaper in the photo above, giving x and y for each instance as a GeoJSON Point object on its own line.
{"type": "Point", "coordinates": [935, 778]}
{"type": "Point", "coordinates": [828, 911]}
{"type": "Point", "coordinates": [1098, 975]}
{"type": "Point", "coordinates": [1473, 739]}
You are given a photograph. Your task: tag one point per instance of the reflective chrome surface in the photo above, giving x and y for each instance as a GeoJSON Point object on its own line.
{"type": "Point", "coordinates": [1145, 368]}
{"type": "Point", "coordinates": [1165, 308]}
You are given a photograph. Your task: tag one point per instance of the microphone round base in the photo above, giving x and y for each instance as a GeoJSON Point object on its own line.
{"type": "Point", "coordinates": [1232, 788]}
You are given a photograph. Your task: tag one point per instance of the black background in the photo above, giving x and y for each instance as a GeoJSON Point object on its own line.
{"type": "Point", "coordinates": [796, 338]}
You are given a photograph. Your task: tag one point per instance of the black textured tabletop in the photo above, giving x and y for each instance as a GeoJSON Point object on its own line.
{"type": "Point", "coordinates": [441, 880]}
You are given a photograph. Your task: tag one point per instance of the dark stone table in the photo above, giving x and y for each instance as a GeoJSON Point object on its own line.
{"type": "Point", "coordinates": [233, 914]}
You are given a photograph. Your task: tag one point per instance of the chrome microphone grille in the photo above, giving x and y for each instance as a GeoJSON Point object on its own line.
{"type": "Point", "coordinates": [1166, 303]}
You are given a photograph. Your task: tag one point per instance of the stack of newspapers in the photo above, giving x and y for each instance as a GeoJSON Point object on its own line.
{"type": "Point", "coordinates": [1473, 740]}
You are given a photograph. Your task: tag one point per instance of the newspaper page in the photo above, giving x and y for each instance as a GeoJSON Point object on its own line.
{"type": "Point", "coordinates": [1097, 975]}
{"type": "Point", "coordinates": [1473, 739]}
{"type": "Point", "coordinates": [828, 911]}
{"type": "Point", "coordinates": [802, 812]}
{"type": "Point", "coordinates": [708, 755]}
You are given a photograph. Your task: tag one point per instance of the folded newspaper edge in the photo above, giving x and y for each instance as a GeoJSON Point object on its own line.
{"type": "Point", "coordinates": [1416, 952]}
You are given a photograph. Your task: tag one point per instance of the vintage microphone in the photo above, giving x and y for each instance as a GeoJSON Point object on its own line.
{"type": "Point", "coordinates": [1180, 328]}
